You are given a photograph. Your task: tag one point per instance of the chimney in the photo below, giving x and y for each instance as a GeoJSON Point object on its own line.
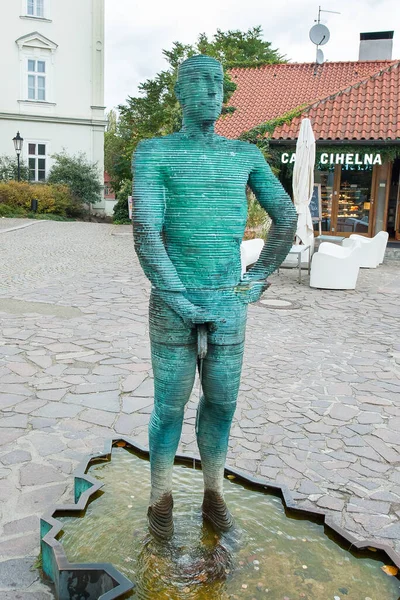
{"type": "Point", "coordinates": [376, 45]}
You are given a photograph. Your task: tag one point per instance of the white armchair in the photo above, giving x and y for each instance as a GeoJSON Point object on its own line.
{"type": "Point", "coordinates": [372, 250]}
{"type": "Point", "coordinates": [383, 237]}
{"type": "Point", "coordinates": [334, 267]}
{"type": "Point", "coordinates": [250, 250]}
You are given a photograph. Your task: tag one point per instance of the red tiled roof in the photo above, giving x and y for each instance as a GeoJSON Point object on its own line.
{"type": "Point", "coordinates": [264, 93]}
{"type": "Point", "coordinates": [368, 110]}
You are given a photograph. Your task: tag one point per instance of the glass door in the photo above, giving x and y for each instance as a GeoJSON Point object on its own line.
{"type": "Point", "coordinates": [354, 203]}
{"type": "Point", "coordinates": [393, 212]}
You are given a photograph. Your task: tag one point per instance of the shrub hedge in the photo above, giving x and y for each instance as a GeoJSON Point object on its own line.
{"type": "Point", "coordinates": [52, 199]}
{"type": "Point", "coordinates": [121, 210]}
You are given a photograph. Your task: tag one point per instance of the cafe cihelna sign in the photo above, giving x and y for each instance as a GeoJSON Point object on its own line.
{"type": "Point", "coordinates": [332, 158]}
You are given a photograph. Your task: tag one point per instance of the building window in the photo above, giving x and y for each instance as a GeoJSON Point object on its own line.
{"type": "Point", "coordinates": [36, 80]}
{"type": "Point", "coordinates": [37, 161]}
{"type": "Point", "coordinates": [35, 8]}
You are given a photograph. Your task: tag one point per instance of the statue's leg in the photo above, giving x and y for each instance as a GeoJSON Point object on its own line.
{"type": "Point", "coordinates": [221, 378]}
{"type": "Point", "coordinates": [174, 370]}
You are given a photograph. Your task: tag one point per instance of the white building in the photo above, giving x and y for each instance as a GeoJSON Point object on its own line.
{"type": "Point", "coordinates": [52, 84]}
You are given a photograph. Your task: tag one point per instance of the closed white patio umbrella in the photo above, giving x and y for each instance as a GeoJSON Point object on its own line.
{"type": "Point", "coordinates": [303, 183]}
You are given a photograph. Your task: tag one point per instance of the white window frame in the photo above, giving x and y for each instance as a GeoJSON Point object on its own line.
{"type": "Point", "coordinates": [35, 8]}
{"type": "Point", "coordinates": [38, 77]}
{"type": "Point", "coordinates": [36, 157]}
{"type": "Point", "coordinates": [38, 48]}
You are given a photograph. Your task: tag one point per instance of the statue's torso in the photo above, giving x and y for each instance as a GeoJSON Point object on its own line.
{"type": "Point", "coordinates": [205, 207]}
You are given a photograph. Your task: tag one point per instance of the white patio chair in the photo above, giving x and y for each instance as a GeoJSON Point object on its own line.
{"type": "Point", "coordinates": [372, 250]}
{"type": "Point", "coordinates": [383, 237]}
{"type": "Point", "coordinates": [334, 267]}
{"type": "Point", "coordinates": [250, 250]}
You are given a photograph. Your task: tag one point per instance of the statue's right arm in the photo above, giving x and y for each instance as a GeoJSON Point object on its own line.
{"type": "Point", "coordinates": [148, 221]}
{"type": "Point", "coordinates": [148, 218]}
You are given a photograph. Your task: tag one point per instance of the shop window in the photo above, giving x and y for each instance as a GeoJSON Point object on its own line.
{"type": "Point", "coordinates": [393, 214]}
{"type": "Point", "coordinates": [326, 179]}
{"type": "Point", "coordinates": [37, 161]}
{"type": "Point", "coordinates": [354, 203]}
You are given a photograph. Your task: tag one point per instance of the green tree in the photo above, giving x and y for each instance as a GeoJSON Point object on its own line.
{"type": "Point", "coordinates": [156, 111]}
{"type": "Point", "coordinates": [79, 174]}
{"type": "Point", "coordinates": [112, 119]}
{"type": "Point", "coordinates": [236, 48]}
{"type": "Point", "coordinates": [121, 210]}
{"type": "Point", "coordinates": [9, 169]}
{"type": "Point", "coordinates": [114, 161]}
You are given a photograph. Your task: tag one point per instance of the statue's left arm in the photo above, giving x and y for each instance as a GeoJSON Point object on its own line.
{"type": "Point", "coordinates": [277, 203]}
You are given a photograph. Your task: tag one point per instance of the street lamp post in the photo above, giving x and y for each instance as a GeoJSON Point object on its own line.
{"type": "Point", "coordinates": [18, 140]}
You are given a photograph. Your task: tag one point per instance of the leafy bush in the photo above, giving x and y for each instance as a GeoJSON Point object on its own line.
{"type": "Point", "coordinates": [258, 221]}
{"type": "Point", "coordinates": [47, 217]}
{"type": "Point", "coordinates": [9, 169]}
{"type": "Point", "coordinates": [121, 210]}
{"type": "Point", "coordinates": [54, 199]}
{"type": "Point", "coordinates": [79, 174]}
{"type": "Point", "coordinates": [11, 212]}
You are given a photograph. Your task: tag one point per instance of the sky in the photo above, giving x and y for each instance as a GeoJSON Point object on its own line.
{"type": "Point", "coordinates": [138, 30]}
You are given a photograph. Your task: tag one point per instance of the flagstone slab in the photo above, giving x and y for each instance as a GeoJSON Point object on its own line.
{"type": "Point", "coordinates": [22, 368]}
{"type": "Point", "coordinates": [16, 421]}
{"type": "Point", "coordinates": [125, 424]}
{"type": "Point", "coordinates": [98, 417]}
{"type": "Point", "coordinates": [17, 572]}
{"type": "Point", "coordinates": [41, 361]}
{"type": "Point", "coordinates": [30, 502]}
{"type": "Point", "coordinates": [10, 435]}
{"type": "Point", "coordinates": [53, 395]}
{"type": "Point", "coordinates": [42, 423]}
{"type": "Point", "coordinates": [108, 401]}
{"type": "Point", "coordinates": [132, 404]}
{"type": "Point", "coordinates": [58, 410]}
{"type": "Point", "coordinates": [132, 382]}
{"type": "Point", "coordinates": [19, 546]}
{"type": "Point", "coordinates": [24, 525]}
{"type": "Point", "coordinates": [28, 405]}
{"type": "Point", "coordinates": [16, 457]}
{"type": "Point", "coordinates": [94, 388]}
{"type": "Point", "coordinates": [342, 412]}
{"type": "Point", "coordinates": [145, 389]}
{"type": "Point", "coordinates": [36, 474]}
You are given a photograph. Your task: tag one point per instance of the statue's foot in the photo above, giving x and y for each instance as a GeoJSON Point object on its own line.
{"type": "Point", "coordinates": [216, 512]}
{"type": "Point", "coordinates": [161, 523]}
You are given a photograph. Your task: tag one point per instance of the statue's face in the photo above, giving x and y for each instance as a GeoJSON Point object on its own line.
{"type": "Point", "coordinates": [200, 89]}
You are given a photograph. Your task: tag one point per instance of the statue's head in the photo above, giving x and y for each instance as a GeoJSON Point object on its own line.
{"type": "Point", "coordinates": [199, 88]}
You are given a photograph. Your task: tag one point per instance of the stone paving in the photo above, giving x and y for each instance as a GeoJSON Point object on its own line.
{"type": "Point", "coordinates": [11, 223]}
{"type": "Point", "coordinates": [319, 405]}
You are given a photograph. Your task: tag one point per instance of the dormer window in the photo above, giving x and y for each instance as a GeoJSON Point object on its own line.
{"type": "Point", "coordinates": [35, 8]}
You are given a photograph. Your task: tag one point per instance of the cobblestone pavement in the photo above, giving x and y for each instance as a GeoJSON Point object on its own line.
{"type": "Point", "coordinates": [319, 406]}
{"type": "Point", "coordinates": [14, 223]}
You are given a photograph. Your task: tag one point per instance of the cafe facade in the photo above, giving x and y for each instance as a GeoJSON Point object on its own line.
{"type": "Point", "coordinates": [357, 131]}
{"type": "Point", "coordinates": [358, 191]}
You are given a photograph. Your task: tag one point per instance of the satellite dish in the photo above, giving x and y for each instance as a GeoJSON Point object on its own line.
{"type": "Point", "coordinates": [320, 57]}
{"type": "Point", "coordinates": [319, 34]}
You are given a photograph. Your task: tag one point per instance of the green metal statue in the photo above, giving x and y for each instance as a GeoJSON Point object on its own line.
{"type": "Point", "coordinates": [190, 213]}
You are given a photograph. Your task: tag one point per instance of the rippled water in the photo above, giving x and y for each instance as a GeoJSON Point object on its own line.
{"type": "Point", "coordinates": [268, 555]}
